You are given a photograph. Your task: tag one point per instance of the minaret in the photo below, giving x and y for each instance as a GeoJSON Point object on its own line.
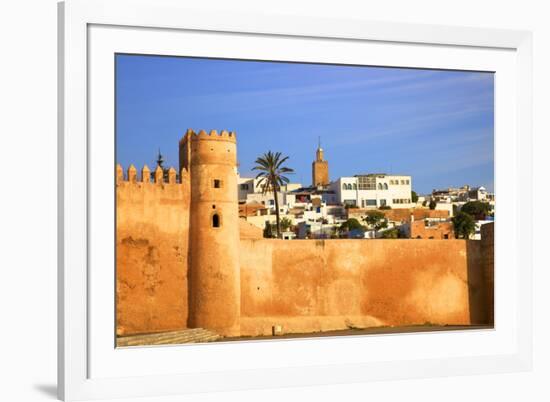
{"type": "Point", "coordinates": [320, 168]}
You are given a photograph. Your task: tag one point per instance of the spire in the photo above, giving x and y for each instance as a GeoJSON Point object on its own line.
{"type": "Point", "coordinates": [319, 151]}
{"type": "Point", "coordinates": [160, 160]}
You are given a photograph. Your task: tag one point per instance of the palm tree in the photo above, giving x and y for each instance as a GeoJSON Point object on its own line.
{"type": "Point", "coordinates": [272, 177]}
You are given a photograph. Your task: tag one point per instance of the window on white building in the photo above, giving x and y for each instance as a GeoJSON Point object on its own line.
{"type": "Point", "coordinates": [366, 182]}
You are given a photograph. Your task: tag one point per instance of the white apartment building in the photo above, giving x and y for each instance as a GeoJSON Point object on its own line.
{"type": "Point", "coordinates": [374, 191]}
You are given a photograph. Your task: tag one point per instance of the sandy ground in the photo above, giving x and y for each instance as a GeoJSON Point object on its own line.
{"type": "Point", "coordinates": [362, 332]}
{"type": "Point", "coordinates": [199, 335]}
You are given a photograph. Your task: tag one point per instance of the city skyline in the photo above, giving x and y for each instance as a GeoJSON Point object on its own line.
{"type": "Point", "coordinates": [436, 126]}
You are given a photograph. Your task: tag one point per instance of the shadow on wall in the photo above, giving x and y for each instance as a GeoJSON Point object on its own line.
{"type": "Point", "coordinates": [480, 277]}
{"type": "Point", "coordinates": [189, 292]}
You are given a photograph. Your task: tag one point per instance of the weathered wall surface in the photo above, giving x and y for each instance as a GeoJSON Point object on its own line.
{"type": "Point", "coordinates": [310, 285]}
{"type": "Point", "coordinates": [151, 256]}
{"type": "Point", "coordinates": [488, 247]}
{"type": "Point", "coordinates": [249, 231]}
{"type": "Point", "coordinates": [214, 284]}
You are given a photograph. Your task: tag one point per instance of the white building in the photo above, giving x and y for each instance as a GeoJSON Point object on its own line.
{"type": "Point", "coordinates": [316, 230]}
{"type": "Point", "coordinates": [450, 207]}
{"type": "Point", "coordinates": [479, 194]}
{"type": "Point", "coordinates": [374, 191]}
{"type": "Point", "coordinates": [250, 189]}
{"type": "Point", "coordinates": [453, 198]}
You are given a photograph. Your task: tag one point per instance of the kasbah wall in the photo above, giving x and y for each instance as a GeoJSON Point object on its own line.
{"type": "Point", "coordinates": [186, 260]}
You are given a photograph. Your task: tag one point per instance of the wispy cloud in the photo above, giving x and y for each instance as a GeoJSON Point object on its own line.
{"type": "Point", "coordinates": [430, 85]}
{"type": "Point", "coordinates": [406, 128]}
{"type": "Point", "coordinates": [267, 98]}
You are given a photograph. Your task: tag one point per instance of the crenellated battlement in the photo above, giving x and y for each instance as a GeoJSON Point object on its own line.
{"type": "Point", "coordinates": [145, 176]}
{"type": "Point", "coordinates": [213, 135]}
{"type": "Point", "coordinates": [213, 148]}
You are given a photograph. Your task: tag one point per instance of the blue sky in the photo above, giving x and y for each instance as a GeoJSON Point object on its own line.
{"type": "Point", "coordinates": [434, 125]}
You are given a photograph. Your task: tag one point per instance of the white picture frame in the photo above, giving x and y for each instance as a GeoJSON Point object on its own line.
{"type": "Point", "coordinates": [507, 348]}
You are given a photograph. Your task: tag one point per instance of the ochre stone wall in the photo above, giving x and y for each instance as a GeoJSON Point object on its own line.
{"type": "Point", "coordinates": [303, 285]}
{"type": "Point", "coordinates": [313, 285]}
{"type": "Point", "coordinates": [249, 231]}
{"type": "Point", "coordinates": [152, 229]}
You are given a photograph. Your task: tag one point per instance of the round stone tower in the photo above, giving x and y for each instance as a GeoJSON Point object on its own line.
{"type": "Point", "coordinates": [214, 271]}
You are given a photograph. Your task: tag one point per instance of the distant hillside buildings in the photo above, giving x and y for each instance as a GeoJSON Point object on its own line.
{"type": "Point", "coordinates": [319, 210]}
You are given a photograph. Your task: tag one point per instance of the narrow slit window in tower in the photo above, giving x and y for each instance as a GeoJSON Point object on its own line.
{"type": "Point", "coordinates": [217, 183]}
{"type": "Point", "coordinates": [215, 221]}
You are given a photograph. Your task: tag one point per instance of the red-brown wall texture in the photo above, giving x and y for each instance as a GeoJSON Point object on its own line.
{"type": "Point", "coordinates": [151, 256]}
{"type": "Point", "coordinates": [313, 285]}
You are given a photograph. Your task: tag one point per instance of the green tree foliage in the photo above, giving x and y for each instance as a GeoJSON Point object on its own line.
{"type": "Point", "coordinates": [272, 175]}
{"type": "Point", "coordinates": [477, 209]}
{"type": "Point", "coordinates": [414, 196]}
{"type": "Point", "coordinates": [268, 230]}
{"type": "Point", "coordinates": [390, 233]}
{"type": "Point", "coordinates": [385, 207]}
{"type": "Point", "coordinates": [464, 225]}
{"type": "Point", "coordinates": [286, 224]}
{"type": "Point", "coordinates": [351, 224]}
{"type": "Point", "coordinates": [432, 204]}
{"type": "Point", "coordinates": [376, 220]}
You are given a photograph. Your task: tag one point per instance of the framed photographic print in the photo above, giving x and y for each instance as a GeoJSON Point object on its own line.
{"type": "Point", "coordinates": [243, 197]}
